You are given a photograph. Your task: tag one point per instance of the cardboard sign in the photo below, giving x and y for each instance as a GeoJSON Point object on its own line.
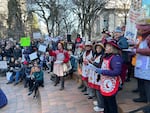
{"type": "Point", "coordinates": [37, 35]}
{"type": "Point", "coordinates": [42, 48]}
{"type": "Point", "coordinates": [25, 41]}
{"type": "Point", "coordinates": [3, 65]}
{"type": "Point", "coordinates": [33, 56]}
{"type": "Point", "coordinates": [131, 30]}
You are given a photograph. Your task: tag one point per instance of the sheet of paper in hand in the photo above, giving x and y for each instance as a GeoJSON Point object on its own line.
{"type": "Point", "coordinates": [3, 65]}
{"type": "Point", "coordinates": [33, 56]}
{"type": "Point", "coordinates": [92, 67]}
{"type": "Point", "coordinates": [42, 48]}
{"type": "Point", "coordinates": [142, 62]}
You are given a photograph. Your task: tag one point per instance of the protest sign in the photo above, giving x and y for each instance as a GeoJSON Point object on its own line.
{"type": "Point", "coordinates": [37, 35]}
{"type": "Point", "coordinates": [42, 48]}
{"type": "Point", "coordinates": [25, 41]}
{"type": "Point", "coordinates": [3, 64]}
{"type": "Point", "coordinates": [33, 56]}
{"type": "Point", "coordinates": [131, 30]}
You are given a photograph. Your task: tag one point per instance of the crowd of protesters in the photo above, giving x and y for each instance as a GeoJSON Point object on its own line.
{"type": "Point", "coordinates": [103, 66]}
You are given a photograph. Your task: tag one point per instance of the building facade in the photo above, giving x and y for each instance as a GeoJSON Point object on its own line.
{"type": "Point", "coordinates": [114, 14]}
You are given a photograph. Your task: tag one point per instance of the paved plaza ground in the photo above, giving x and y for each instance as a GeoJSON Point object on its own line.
{"type": "Point", "coordinates": [52, 100]}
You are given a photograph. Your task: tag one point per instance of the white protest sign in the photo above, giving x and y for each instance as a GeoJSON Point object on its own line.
{"type": "Point", "coordinates": [37, 35]}
{"type": "Point", "coordinates": [42, 48]}
{"type": "Point", "coordinates": [131, 30]}
{"type": "Point", "coordinates": [3, 65]}
{"type": "Point", "coordinates": [33, 56]}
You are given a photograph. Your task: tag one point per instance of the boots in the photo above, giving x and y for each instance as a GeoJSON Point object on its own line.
{"type": "Point", "coordinates": [62, 83]}
{"type": "Point", "coordinates": [56, 81]}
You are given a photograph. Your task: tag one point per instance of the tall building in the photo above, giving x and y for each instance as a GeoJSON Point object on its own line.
{"type": "Point", "coordinates": [137, 4]}
{"type": "Point", "coordinates": [114, 14]}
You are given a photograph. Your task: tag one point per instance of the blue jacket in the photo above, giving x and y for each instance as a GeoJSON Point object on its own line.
{"type": "Point", "coordinates": [115, 65]}
{"type": "Point", "coordinates": [123, 44]}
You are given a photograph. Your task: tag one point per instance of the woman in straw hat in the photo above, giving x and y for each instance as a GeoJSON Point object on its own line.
{"type": "Point", "coordinates": [94, 78]}
{"type": "Point", "coordinates": [87, 55]}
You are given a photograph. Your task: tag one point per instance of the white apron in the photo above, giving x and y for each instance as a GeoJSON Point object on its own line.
{"type": "Point", "coordinates": [86, 71]}
{"type": "Point", "coordinates": [93, 76]}
{"type": "Point", "coordinates": [142, 67]}
{"type": "Point", "coordinates": [58, 64]}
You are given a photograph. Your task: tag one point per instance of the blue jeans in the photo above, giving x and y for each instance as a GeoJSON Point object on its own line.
{"type": "Point", "coordinates": [17, 76]}
{"type": "Point", "coordinates": [100, 99]}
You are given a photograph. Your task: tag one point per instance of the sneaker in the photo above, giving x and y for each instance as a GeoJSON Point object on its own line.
{"type": "Point", "coordinates": [15, 83]}
{"type": "Point", "coordinates": [98, 109]}
{"type": "Point", "coordinates": [62, 88]}
{"type": "Point", "coordinates": [30, 93]}
{"type": "Point", "coordinates": [95, 103]}
{"type": "Point", "coordinates": [9, 82]}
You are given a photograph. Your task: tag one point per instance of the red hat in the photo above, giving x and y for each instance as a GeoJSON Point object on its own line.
{"type": "Point", "coordinates": [81, 46]}
{"type": "Point", "coordinates": [25, 63]}
{"type": "Point", "coordinates": [113, 43]}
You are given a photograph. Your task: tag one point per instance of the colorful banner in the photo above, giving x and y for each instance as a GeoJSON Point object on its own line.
{"type": "Point", "coordinates": [25, 41]}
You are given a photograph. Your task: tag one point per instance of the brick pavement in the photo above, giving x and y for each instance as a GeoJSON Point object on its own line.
{"type": "Point", "coordinates": [18, 100]}
{"type": "Point", "coordinates": [70, 100]}
{"type": "Point", "coordinates": [125, 97]}
{"type": "Point", "coordinates": [51, 100]}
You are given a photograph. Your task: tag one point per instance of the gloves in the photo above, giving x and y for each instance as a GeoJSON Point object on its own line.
{"type": "Point", "coordinates": [98, 70]}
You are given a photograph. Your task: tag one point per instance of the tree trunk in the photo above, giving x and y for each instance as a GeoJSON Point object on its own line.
{"type": "Point", "coordinates": [47, 26]}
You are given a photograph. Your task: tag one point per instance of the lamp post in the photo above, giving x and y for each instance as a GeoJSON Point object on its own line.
{"type": "Point", "coordinates": [125, 8]}
{"type": "Point", "coordinates": [125, 14]}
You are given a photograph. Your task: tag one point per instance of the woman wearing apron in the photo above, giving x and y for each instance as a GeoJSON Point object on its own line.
{"type": "Point", "coordinates": [87, 56]}
{"type": "Point", "coordinates": [61, 57]}
{"type": "Point", "coordinates": [94, 78]}
{"type": "Point", "coordinates": [110, 76]}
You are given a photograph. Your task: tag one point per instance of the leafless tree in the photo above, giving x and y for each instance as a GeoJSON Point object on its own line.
{"type": "Point", "coordinates": [87, 11]}
{"type": "Point", "coordinates": [53, 13]}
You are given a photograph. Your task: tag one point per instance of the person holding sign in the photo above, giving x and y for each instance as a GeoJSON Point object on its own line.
{"type": "Point", "coordinates": [110, 76]}
{"type": "Point", "coordinates": [142, 67]}
{"type": "Point", "coordinates": [61, 57]}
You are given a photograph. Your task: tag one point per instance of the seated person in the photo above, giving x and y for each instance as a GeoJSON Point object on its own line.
{"type": "Point", "coordinates": [10, 69]}
{"type": "Point", "coordinates": [48, 62]}
{"type": "Point", "coordinates": [27, 70]}
{"type": "Point", "coordinates": [38, 77]}
{"type": "Point", "coordinates": [17, 69]}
